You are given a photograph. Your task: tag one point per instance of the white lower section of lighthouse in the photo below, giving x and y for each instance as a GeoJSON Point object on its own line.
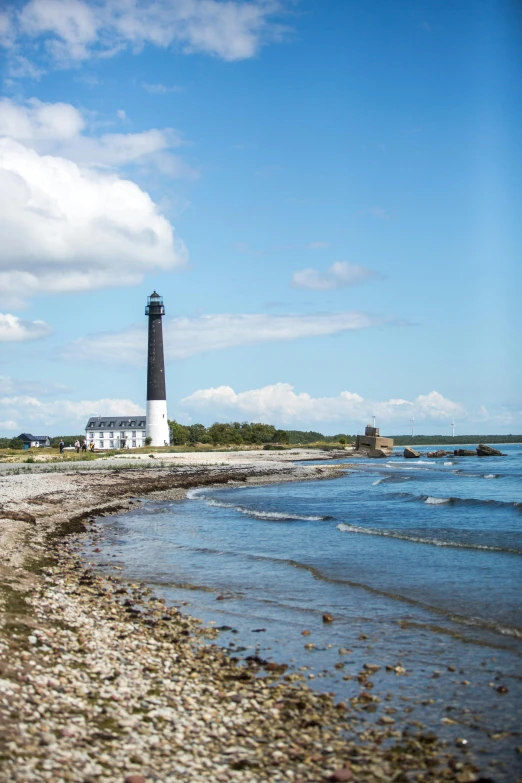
{"type": "Point", "coordinates": [157, 422]}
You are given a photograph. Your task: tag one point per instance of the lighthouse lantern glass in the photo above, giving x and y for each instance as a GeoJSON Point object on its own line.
{"type": "Point", "coordinates": [155, 305]}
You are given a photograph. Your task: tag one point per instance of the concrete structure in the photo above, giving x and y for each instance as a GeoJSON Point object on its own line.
{"type": "Point", "coordinates": [157, 422]}
{"type": "Point", "coordinates": [116, 432]}
{"type": "Point", "coordinates": [372, 441]}
{"type": "Point", "coordinates": [35, 441]}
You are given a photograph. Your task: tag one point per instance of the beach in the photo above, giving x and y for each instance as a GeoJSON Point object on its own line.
{"type": "Point", "coordinates": [101, 680]}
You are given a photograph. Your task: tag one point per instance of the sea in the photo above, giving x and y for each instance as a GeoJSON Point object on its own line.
{"type": "Point", "coordinates": [418, 563]}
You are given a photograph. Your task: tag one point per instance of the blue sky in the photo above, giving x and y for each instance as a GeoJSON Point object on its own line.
{"type": "Point", "coordinates": [327, 195]}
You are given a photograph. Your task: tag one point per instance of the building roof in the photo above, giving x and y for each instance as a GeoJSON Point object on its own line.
{"type": "Point", "coordinates": [28, 436]}
{"type": "Point", "coordinates": [116, 423]}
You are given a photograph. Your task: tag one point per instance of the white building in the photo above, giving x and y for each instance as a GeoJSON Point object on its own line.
{"type": "Point", "coordinates": [116, 432]}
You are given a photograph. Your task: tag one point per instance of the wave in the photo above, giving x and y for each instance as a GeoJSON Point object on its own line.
{"type": "Point", "coordinates": [454, 501]}
{"type": "Point", "coordinates": [277, 516]}
{"type": "Point", "coordinates": [491, 476]}
{"type": "Point", "coordinates": [369, 531]}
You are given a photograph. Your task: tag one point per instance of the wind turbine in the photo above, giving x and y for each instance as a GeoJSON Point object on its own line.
{"type": "Point", "coordinates": [412, 421]}
{"type": "Point", "coordinates": [453, 428]}
{"type": "Point", "coordinates": [373, 418]}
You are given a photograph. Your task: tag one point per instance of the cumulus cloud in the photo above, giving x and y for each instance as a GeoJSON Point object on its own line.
{"type": "Point", "coordinates": [14, 329]}
{"type": "Point", "coordinates": [281, 404]}
{"type": "Point", "coordinates": [186, 337]}
{"type": "Point", "coordinates": [61, 416]}
{"type": "Point", "coordinates": [342, 274]}
{"type": "Point", "coordinates": [73, 31]}
{"type": "Point", "coordinates": [61, 129]}
{"type": "Point", "coordinates": [66, 228]}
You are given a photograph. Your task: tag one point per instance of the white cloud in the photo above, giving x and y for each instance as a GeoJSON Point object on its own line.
{"type": "Point", "coordinates": [66, 228]}
{"type": "Point", "coordinates": [61, 416]}
{"type": "Point", "coordinates": [7, 425]}
{"type": "Point", "coordinates": [340, 275]}
{"type": "Point", "coordinates": [14, 329]}
{"type": "Point", "coordinates": [38, 121]}
{"type": "Point", "coordinates": [75, 30]}
{"type": "Point", "coordinates": [318, 245]}
{"type": "Point", "coordinates": [58, 129]}
{"type": "Point", "coordinates": [280, 404]}
{"type": "Point", "coordinates": [186, 337]}
{"type": "Point", "coordinates": [161, 89]}
{"type": "Point", "coordinates": [15, 386]}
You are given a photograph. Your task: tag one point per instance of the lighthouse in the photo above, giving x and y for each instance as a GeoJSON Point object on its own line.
{"type": "Point", "coordinates": [157, 423]}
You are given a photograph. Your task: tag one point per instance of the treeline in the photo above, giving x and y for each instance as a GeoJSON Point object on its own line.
{"type": "Point", "coordinates": [441, 440]}
{"type": "Point", "coordinates": [220, 434]}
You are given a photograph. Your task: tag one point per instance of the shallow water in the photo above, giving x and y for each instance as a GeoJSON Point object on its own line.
{"type": "Point", "coordinates": [418, 561]}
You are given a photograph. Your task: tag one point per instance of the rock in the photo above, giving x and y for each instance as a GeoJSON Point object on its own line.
{"type": "Point", "coordinates": [437, 454]}
{"type": "Point", "coordinates": [341, 774]}
{"type": "Point", "coordinates": [377, 453]}
{"type": "Point", "coordinates": [502, 689]}
{"type": "Point", "coordinates": [487, 451]}
{"type": "Point", "coordinates": [410, 453]}
{"type": "Point", "coordinates": [134, 779]}
{"type": "Point", "coordinates": [327, 618]}
{"type": "Point", "coordinates": [464, 453]}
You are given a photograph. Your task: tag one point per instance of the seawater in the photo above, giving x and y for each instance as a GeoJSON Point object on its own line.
{"type": "Point", "coordinates": [418, 561]}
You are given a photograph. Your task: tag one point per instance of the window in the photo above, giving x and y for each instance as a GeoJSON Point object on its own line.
{"type": "Point", "coordinates": [91, 435]}
{"type": "Point", "coordinates": [133, 444]}
{"type": "Point", "coordinates": [122, 424]}
{"type": "Point", "coordinates": [141, 424]}
{"type": "Point", "coordinates": [100, 435]}
{"type": "Point", "coordinates": [101, 444]}
{"type": "Point", "coordinates": [101, 424]}
{"type": "Point", "coordinates": [111, 424]}
{"type": "Point", "coordinates": [134, 434]}
{"type": "Point", "coordinates": [92, 423]}
{"type": "Point", "coordinates": [111, 443]}
{"type": "Point", "coordinates": [132, 424]}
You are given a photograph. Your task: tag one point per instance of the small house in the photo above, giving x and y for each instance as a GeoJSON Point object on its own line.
{"type": "Point", "coordinates": [34, 441]}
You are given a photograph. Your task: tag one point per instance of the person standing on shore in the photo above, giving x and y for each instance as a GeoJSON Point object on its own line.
{"type": "Point", "coordinates": [84, 445]}
{"type": "Point", "coordinates": [61, 445]}
{"type": "Point", "coordinates": [77, 446]}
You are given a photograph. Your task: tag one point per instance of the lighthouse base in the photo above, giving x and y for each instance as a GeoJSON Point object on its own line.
{"type": "Point", "coordinates": [157, 423]}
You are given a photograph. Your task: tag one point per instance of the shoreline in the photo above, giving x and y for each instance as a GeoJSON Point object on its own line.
{"type": "Point", "coordinates": [99, 682]}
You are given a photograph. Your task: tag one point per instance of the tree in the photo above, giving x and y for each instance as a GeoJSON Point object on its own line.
{"type": "Point", "coordinates": [16, 443]}
{"type": "Point", "coordinates": [197, 433]}
{"type": "Point", "coordinates": [179, 433]}
{"type": "Point", "coordinates": [148, 440]}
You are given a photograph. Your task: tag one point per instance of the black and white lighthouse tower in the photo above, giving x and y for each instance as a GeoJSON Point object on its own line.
{"type": "Point", "coordinates": [157, 423]}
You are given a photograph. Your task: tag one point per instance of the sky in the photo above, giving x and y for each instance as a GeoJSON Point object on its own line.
{"type": "Point", "coordinates": [327, 194]}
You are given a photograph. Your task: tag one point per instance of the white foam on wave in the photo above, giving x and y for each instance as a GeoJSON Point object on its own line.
{"type": "Point", "coordinates": [343, 527]}
{"type": "Point", "coordinates": [375, 483]}
{"type": "Point", "coordinates": [193, 493]}
{"type": "Point", "coordinates": [436, 501]}
{"type": "Point", "coordinates": [274, 515]}
{"type": "Point", "coordinates": [490, 476]}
